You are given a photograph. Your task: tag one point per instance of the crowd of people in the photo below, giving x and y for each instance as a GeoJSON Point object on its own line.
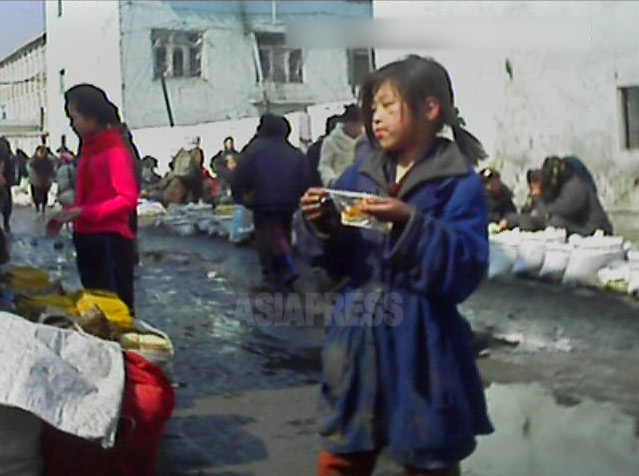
{"type": "Point", "coordinates": [409, 384]}
{"type": "Point", "coordinates": [561, 194]}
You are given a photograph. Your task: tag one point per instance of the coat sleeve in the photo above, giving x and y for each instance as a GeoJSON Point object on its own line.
{"type": "Point", "coordinates": [445, 257]}
{"type": "Point", "coordinates": [242, 179]}
{"type": "Point", "coordinates": [327, 162]}
{"type": "Point", "coordinates": [571, 201]}
{"type": "Point", "coordinates": [123, 183]}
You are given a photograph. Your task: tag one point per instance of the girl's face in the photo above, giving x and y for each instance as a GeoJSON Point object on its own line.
{"type": "Point", "coordinates": [391, 118]}
{"type": "Point", "coordinates": [82, 125]}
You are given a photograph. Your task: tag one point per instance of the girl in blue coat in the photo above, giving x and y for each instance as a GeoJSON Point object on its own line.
{"type": "Point", "coordinates": [398, 370]}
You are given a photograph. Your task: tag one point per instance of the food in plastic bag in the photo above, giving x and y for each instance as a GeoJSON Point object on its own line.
{"type": "Point", "coordinates": [349, 206]}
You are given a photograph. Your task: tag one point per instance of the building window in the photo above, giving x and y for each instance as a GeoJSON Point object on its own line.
{"type": "Point", "coordinates": [630, 105]}
{"type": "Point", "coordinates": [361, 62]}
{"type": "Point", "coordinates": [59, 8]}
{"type": "Point", "coordinates": [279, 63]}
{"type": "Point", "coordinates": [177, 54]}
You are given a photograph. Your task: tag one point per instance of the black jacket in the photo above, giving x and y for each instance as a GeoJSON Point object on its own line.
{"type": "Point", "coordinates": [500, 205]}
{"type": "Point", "coordinates": [272, 175]}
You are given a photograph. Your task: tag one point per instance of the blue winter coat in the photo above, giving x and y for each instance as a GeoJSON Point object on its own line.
{"type": "Point", "coordinates": [398, 371]}
{"type": "Point", "coordinates": [273, 173]}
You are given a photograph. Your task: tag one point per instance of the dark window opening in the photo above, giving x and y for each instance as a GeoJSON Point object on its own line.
{"type": "Point", "coordinates": [279, 63]}
{"type": "Point", "coordinates": [360, 64]}
{"type": "Point", "coordinates": [171, 51]}
{"type": "Point", "coordinates": [630, 105]}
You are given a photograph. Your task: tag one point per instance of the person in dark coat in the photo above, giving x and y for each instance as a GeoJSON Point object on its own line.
{"type": "Point", "coordinates": [41, 172]}
{"type": "Point", "coordinates": [313, 153]}
{"type": "Point", "coordinates": [572, 202]}
{"type": "Point", "coordinates": [5, 193]}
{"type": "Point", "coordinates": [219, 165]}
{"type": "Point", "coordinates": [532, 216]}
{"type": "Point", "coordinates": [8, 164]}
{"type": "Point", "coordinates": [500, 198]}
{"type": "Point", "coordinates": [270, 178]}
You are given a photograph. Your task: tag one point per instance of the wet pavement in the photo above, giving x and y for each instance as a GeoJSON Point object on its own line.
{"type": "Point", "coordinates": [246, 389]}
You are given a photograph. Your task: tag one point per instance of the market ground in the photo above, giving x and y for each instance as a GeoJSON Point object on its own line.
{"type": "Point", "coordinates": [247, 387]}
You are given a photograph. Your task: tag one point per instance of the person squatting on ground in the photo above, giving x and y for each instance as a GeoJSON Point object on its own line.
{"type": "Point", "coordinates": [499, 196]}
{"type": "Point", "coordinates": [41, 174]}
{"type": "Point", "coordinates": [398, 370]}
{"type": "Point", "coordinates": [270, 178]}
{"type": "Point", "coordinates": [532, 216]}
{"type": "Point", "coordinates": [338, 148]}
{"type": "Point", "coordinates": [105, 195]}
{"type": "Point", "coordinates": [571, 198]}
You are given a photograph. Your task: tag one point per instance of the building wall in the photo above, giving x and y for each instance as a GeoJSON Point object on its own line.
{"type": "Point", "coordinates": [559, 100]}
{"type": "Point", "coordinates": [228, 88]}
{"type": "Point", "coordinates": [23, 94]}
{"type": "Point", "coordinates": [84, 42]}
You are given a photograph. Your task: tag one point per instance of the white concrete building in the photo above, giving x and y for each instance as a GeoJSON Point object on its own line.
{"type": "Point", "coordinates": [222, 61]}
{"type": "Point", "coordinates": [534, 79]}
{"type": "Point", "coordinates": [23, 82]}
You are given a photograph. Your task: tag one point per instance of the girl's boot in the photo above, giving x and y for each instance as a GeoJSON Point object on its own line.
{"type": "Point", "coordinates": [355, 464]}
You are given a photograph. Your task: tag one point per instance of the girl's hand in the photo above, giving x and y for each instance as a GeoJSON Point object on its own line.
{"type": "Point", "coordinates": [67, 215]}
{"type": "Point", "coordinates": [387, 210]}
{"type": "Point", "coordinates": [311, 204]}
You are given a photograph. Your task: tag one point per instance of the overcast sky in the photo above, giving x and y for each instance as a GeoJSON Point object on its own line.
{"type": "Point", "coordinates": [20, 21]}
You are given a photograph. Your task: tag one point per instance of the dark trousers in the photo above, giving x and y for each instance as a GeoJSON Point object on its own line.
{"type": "Point", "coordinates": [40, 196]}
{"type": "Point", "coordinates": [106, 262]}
{"type": "Point", "coordinates": [7, 208]}
{"type": "Point", "coordinates": [272, 236]}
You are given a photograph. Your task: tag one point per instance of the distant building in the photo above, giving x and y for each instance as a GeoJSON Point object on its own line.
{"type": "Point", "coordinates": [23, 80]}
{"type": "Point", "coordinates": [220, 61]}
{"type": "Point", "coordinates": [566, 83]}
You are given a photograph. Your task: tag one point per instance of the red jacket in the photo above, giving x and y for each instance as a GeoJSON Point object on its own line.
{"type": "Point", "coordinates": [105, 188]}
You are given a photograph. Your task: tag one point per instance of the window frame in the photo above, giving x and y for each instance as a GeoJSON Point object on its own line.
{"type": "Point", "coordinates": [189, 44]}
{"type": "Point", "coordinates": [630, 135]}
{"type": "Point", "coordinates": [279, 71]}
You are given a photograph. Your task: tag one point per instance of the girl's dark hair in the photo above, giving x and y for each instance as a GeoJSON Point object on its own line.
{"type": "Point", "coordinates": [91, 101]}
{"type": "Point", "coordinates": [417, 78]}
{"type": "Point", "coordinates": [534, 176]}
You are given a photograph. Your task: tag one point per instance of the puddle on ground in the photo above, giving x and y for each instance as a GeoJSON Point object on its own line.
{"type": "Point", "coordinates": [538, 436]}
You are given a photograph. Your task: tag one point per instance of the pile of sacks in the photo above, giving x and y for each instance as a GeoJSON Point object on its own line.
{"type": "Point", "coordinates": [552, 256]}
{"type": "Point", "coordinates": [195, 218]}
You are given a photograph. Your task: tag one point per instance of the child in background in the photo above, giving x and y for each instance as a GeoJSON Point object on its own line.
{"type": "Point", "coordinates": [398, 369]}
{"type": "Point", "coordinates": [105, 195]}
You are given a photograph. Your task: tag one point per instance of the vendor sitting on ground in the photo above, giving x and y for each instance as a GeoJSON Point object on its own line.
{"type": "Point", "coordinates": [183, 183]}
{"type": "Point", "coordinates": [572, 203]}
{"type": "Point", "coordinates": [149, 176]}
{"type": "Point", "coordinates": [500, 198]}
{"type": "Point", "coordinates": [532, 216]}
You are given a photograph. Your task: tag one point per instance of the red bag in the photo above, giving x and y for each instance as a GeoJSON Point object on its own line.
{"type": "Point", "coordinates": [147, 404]}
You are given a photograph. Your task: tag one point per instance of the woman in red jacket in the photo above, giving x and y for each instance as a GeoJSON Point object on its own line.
{"type": "Point", "coordinates": [105, 195]}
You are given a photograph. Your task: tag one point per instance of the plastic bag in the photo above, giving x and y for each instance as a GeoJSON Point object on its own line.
{"type": "Point", "coordinates": [348, 204]}
{"type": "Point", "coordinates": [115, 311]}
